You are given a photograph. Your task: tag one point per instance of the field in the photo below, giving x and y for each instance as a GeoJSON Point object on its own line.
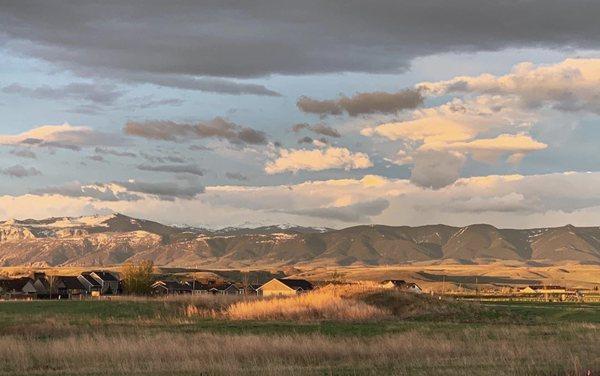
{"type": "Point", "coordinates": [400, 334]}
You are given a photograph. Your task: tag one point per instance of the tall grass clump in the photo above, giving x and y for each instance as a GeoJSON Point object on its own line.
{"type": "Point", "coordinates": [317, 305]}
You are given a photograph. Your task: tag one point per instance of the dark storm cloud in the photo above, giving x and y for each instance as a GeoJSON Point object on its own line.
{"type": "Point", "coordinates": [216, 128]}
{"type": "Point", "coordinates": [358, 212]}
{"type": "Point", "coordinates": [176, 168]}
{"type": "Point", "coordinates": [363, 103]}
{"type": "Point", "coordinates": [104, 94]}
{"type": "Point", "coordinates": [18, 171]}
{"type": "Point", "coordinates": [175, 43]}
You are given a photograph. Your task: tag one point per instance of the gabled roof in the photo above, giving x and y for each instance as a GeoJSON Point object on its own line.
{"type": "Point", "coordinates": [296, 283]}
{"type": "Point", "coordinates": [220, 286]}
{"type": "Point", "coordinates": [90, 279]}
{"type": "Point", "coordinates": [395, 282]}
{"type": "Point", "coordinates": [71, 283]}
{"type": "Point", "coordinates": [172, 285]}
{"type": "Point", "coordinates": [15, 284]}
{"type": "Point", "coordinates": [105, 276]}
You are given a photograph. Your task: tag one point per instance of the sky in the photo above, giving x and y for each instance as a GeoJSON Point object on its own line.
{"type": "Point", "coordinates": [311, 113]}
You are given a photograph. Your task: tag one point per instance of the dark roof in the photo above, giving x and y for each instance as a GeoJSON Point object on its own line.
{"type": "Point", "coordinates": [15, 284]}
{"type": "Point", "coordinates": [197, 285]}
{"type": "Point", "coordinates": [296, 283]}
{"type": "Point", "coordinates": [548, 287]}
{"type": "Point", "coordinates": [90, 279]}
{"type": "Point", "coordinates": [220, 286]}
{"type": "Point", "coordinates": [396, 282]}
{"type": "Point", "coordinates": [105, 276]}
{"type": "Point", "coordinates": [72, 283]}
{"type": "Point", "coordinates": [174, 285]}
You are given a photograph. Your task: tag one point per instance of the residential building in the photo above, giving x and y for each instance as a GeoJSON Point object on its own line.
{"type": "Point", "coordinates": [283, 286]}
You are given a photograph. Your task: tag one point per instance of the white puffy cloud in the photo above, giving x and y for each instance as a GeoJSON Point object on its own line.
{"type": "Point", "coordinates": [61, 136]}
{"type": "Point", "coordinates": [295, 160]}
{"type": "Point", "coordinates": [502, 200]}
{"type": "Point", "coordinates": [571, 85]}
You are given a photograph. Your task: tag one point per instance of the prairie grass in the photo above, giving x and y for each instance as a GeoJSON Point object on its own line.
{"type": "Point", "coordinates": [489, 350]}
{"type": "Point", "coordinates": [349, 302]}
{"type": "Point", "coordinates": [318, 305]}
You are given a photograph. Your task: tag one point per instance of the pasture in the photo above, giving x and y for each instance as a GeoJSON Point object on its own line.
{"type": "Point", "coordinates": [407, 335]}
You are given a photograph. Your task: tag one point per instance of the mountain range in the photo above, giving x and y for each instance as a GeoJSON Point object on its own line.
{"type": "Point", "coordinates": [115, 239]}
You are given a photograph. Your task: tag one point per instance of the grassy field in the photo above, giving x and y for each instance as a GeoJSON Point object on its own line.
{"type": "Point", "coordinates": [407, 335]}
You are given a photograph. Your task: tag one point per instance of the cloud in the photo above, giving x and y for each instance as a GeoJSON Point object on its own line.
{"type": "Point", "coordinates": [236, 176]}
{"type": "Point", "coordinates": [130, 190]}
{"type": "Point", "coordinates": [509, 201]}
{"type": "Point", "coordinates": [177, 45]}
{"type": "Point", "coordinates": [163, 190]}
{"type": "Point", "coordinates": [571, 85]}
{"type": "Point", "coordinates": [480, 127]}
{"type": "Point", "coordinates": [490, 149]}
{"type": "Point", "coordinates": [317, 160]}
{"type": "Point", "coordinates": [18, 171]}
{"type": "Point", "coordinates": [23, 153]}
{"type": "Point", "coordinates": [359, 212]}
{"type": "Point", "coordinates": [320, 128]}
{"type": "Point", "coordinates": [100, 192]}
{"type": "Point", "coordinates": [305, 140]}
{"type": "Point", "coordinates": [162, 159]}
{"type": "Point", "coordinates": [179, 132]}
{"type": "Point", "coordinates": [97, 158]}
{"type": "Point", "coordinates": [174, 168]}
{"type": "Point", "coordinates": [103, 94]}
{"type": "Point", "coordinates": [363, 103]}
{"type": "Point", "coordinates": [99, 150]}
{"type": "Point", "coordinates": [436, 169]}
{"type": "Point", "coordinates": [63, 136]}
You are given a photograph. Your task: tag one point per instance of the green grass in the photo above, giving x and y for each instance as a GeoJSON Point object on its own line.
{"type": "Point", "coordinates": [157, 316]}
{"type": "Point", "coordinates": [464, 343]}
{"type": "Point", "coordinates": [549, 312]}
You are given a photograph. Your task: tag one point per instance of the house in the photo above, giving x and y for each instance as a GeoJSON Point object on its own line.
{"type": "Point", "coordinates": [17, 287]}
{"type": "Point", "coordinates": [109, 284]}
{"type": "Point", "coordinates": [46, 286]}
{"type": "Point", "coordinates": [250, 289]}
{"type": "Point", "coordinates": [90, 284]}
{"type": "Point", "coordinates": [393, 283]}
{"type": "Point", "coordinates": [198, 287]}
{"type": "Point", "coordinates": [168, 287]}
{"type": "Point", "coordinates": [70, 287]}
{"type": "Point", "coordinates": [413, 287]}
{"type": "Point", "coordinates": [540, 289]}
{"type": "Point", "coordinates": [281, 286]}
{"type": "Point", "coordinates": [401, 285]}
{"type": "Point", "coordinates": [223, 289]}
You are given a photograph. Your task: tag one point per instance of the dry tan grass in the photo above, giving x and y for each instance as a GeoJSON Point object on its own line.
{"type": "Point", "coordinates": [317, 305]}
{"type": "Point", "coordinates": [571, 349]}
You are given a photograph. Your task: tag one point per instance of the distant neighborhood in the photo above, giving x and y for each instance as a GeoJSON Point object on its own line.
{"type": "Point", "coordinates": [102, 283]}
{"type": "Point", "coordinates": [98, 283]}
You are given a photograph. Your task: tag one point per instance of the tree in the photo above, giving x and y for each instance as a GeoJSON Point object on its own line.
{"type": "Point", "coordinates": [52, 282]}
{"type": "Point", "coordinates": [137, 279]}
